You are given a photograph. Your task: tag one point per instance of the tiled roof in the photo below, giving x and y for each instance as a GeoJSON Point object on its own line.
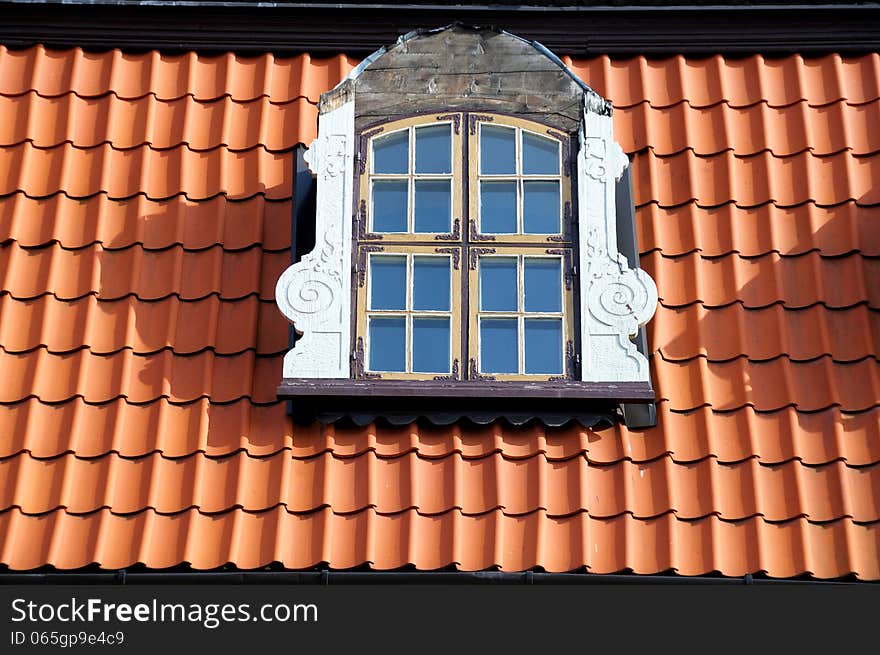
{"type": "Point", "coordinates": [145, 207]}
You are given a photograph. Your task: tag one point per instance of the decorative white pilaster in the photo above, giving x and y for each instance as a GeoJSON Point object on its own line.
{"type": "Point", "coordinates": [615, 299]}
{"type": "Point", "coordinates": [315, 292]}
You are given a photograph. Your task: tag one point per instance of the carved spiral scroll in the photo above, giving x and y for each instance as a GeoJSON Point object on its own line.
{"type": "Point", "coordinates": [307, 295]}
{"type": "Point", "coordinates": [625, 300]}
{"type": "Point", "coordinates": [618, 299]}
{"type": "Point", "coordinates": [311, 296]}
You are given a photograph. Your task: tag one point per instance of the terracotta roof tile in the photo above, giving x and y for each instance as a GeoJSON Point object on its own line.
{"type": "Point", "coordinates": [145, 207]}
{"type": "Point", "coordinates": [786, 130]}
{"type": "Point", "coordinates": [753, 180]}
{"type": "Point", "coordinates": [93, 430]}
{"type": "Point", "coordinates": [739, 82]}
{"type": "Point", "coordinates": [771, 385]}
{"type": "Point", "coordinates": [147, 274]}
{"type": "Point", "coordinates": [47, 122]}
{"type": "Point", "coordinates": [86, 122]}
{"type": "Point", "coordinates": [179, 430]}
{"type": "Point", "coordinates": [795, 282]}
{"type": "Point", "coordinates": [754, 231]}
{"type": "Point", "coordinates": [732, 331]}
{"type": "Point", "coordinates": [104, 327]}
{"type": "Point", "coordinates": [167, 77]}
{"type": "Point", "coordinates": [195, 225]}
{"type": "Point", "coordinates": [158, 174]}
{"type": "Point", "coordinates": [773, 437]}
{"type": "Point", "coordinates": [431, 542]}
{"type": "Point", "coordinates": [139, 378]}
{"type": "Point", "coordinates": [778, 492]}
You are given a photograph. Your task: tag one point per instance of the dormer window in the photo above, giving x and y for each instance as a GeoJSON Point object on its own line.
{"type": "Point", "coordinates": [466, 242]}
{"type": "Point", "coordinates": [498, 295]}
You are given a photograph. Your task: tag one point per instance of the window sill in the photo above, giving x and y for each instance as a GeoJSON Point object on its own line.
{"type": "Point", "coordinates": [619, 392]}
{"type": "Point", "coordinates": [442, 403]}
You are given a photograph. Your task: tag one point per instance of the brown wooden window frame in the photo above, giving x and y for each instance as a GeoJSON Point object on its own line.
{"type": "Point", "coordinates": [466, 246]}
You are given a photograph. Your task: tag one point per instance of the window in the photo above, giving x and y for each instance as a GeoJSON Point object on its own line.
{"type": "Point", "coordinates": [466, 255]}
{"type": "Point", "coordinates": [431, 294]}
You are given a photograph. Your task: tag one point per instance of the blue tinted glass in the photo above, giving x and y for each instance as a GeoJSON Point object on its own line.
{"type": "Point", "coordinates": [433, 149]}
{"type": "Point", "coordinates": [543, 345]}
{"type": "Point", "coordinates": [541, 207]}
{"type": "Point", "coordinates": [391, 153]}
{"type": "Point", "coordinates": [389, 205]}
{"type": "Point", "coordinates": [431, 283]}
{"type": "Point", "coordinates": [540, 155]}
{"type": "Point", "coordinates": [498, 207]}
{"type": "Point", "coordinates": [498, 287]}
{"type": "Point", "coordinates": [387, 282]}
{"type": "Point", "coordinates": [431, 345]}
{"type": "Point", "coordinates": [433, 206]}
{"type": "Point", "coordinates": [387, 344]}
{"type": "Point", "coordinates": [543, 286]}
{"type": "Point", "coordinates": [499, 350]}
{"type": "Point", "coordinates": [497, 150]}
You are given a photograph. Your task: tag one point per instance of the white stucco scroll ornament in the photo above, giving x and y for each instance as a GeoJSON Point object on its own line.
{"type": "Point", "coordinates": [315, 292]}
{"type": "Point", "coordinates": [615, 299]}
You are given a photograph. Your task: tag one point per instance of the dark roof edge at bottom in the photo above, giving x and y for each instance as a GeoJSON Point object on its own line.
{"type": "Point", "coordinates": [358, 31]}
{"type": "Point", "coordinates": [327, 577]}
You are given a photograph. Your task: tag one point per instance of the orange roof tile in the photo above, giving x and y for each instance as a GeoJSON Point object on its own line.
{"type": "Point", "coordinates": [732, 331]}
{"type": "Point", "coordinates": [103, 327]}
{"type": "Point", "coordinates": [738, 82]}
{"type": "Point", "coordinates": [692, 490]}
{"type": "Point", "coordinates": [158, 174]}
{"type": "Point", "coordinates": [155, 224]}
{"type": "Point", "coordinates": [755, 231]}
{"type": "Point", "coordinates": [147, 274]}
{"type": "Point", "coordinates": [786, 130]}
{"type": "Point", "coordinates": [47, 122]}
{"type": "Point", "coordinates": [145, 207]}
{"type": "Point", "coordinates": [167, 77]}
{"type": "Point", "coordinates": [254, 539]}
{"type": "Point", "coordinates": [752, 180]}
{"type": "Point", "coordinates": [181, 429]}
{"type": "Point", "coordinates": [766, 279]}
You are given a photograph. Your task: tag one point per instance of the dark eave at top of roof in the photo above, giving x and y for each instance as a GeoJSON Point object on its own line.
{"type": "Point", "coordinates": [359, 28]}
{"type": "Point", "coordinates": [478, 5]}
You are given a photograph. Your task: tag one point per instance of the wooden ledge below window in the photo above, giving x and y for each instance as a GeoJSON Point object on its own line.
{"type": "Point", "coordinates": [443, 402]}
{"type": "Point", "coordinates": [619, 392]}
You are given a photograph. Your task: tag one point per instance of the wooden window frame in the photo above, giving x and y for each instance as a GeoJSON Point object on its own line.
{"type": "Point", "coordinates": [566, 313]}
{"type": "Point", "coordinates": [365, 311]}
{"type": "Point", "coordinates": [465, 247]}
{"type": "Point", "coordinates": [367, 138]}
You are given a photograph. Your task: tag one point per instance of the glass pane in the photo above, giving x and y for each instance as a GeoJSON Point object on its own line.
{"type": "Point", "coordinates": [498, 207]}
{"type": "Point", "coordinates": [387, 344]}
{"type": "Point", "coordinates": [498, 288]}
{"type": "Point", "coordinates": [431, 283]}
{"type": "Point", "coordinates": [433, 206]}
{"type": "Point", "coordinates": [541, 207]}
{"type": "Point", "coordinates": [540, 155]}
{"type": "Point", "coordinates": [431, 345]}
{"type": "Point", "coordinates": [391, 153]}
{"type": "Point", "coordinates": [499, 348]}
{"type": "Point", "coordinates": [433, 149]}
{"type": "Point", "coordinates": [389, 205]}
{"type": "Point", "coordinates": [543, 345]}
{"type": "Point", "coordinates": [497, 150]}
{"type": "Point", "coordinates": [543, 284]}
{"type": "Point", "coordinates": [387, 282]}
